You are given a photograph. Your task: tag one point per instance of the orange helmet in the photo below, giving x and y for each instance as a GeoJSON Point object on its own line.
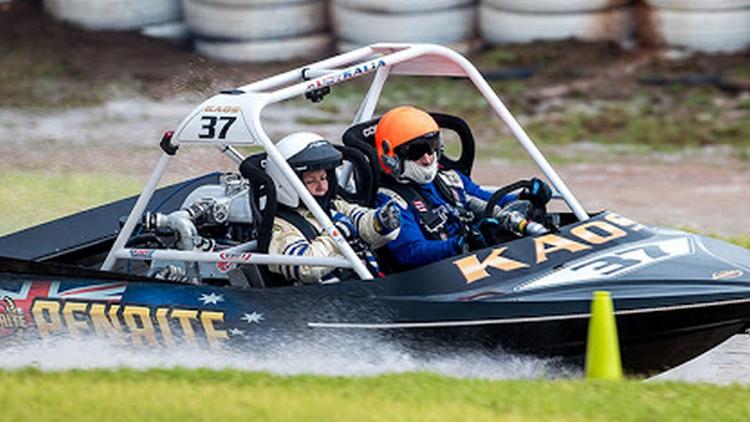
{"type": "Point", "coordinates": [398, 127]}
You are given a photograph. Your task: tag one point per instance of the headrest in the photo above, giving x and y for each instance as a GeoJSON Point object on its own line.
{"type": "Point", "coordinates": [253, 164]}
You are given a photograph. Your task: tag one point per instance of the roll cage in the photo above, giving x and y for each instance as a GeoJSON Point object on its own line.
{"type": "Point", "coordinates": [232, 118]}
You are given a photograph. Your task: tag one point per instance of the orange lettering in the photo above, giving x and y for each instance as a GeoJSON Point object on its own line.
{"type": "Point", "coordinates": [556, 243]}
{"type": "Point", "coordinates": [475, 270]}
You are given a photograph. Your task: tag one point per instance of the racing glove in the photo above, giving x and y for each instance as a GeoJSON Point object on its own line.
{"type": "Point", "coordinates": [351, 234]}
{"type": "Point", "coordinates": [539, 193]}
{"type": "Point", "coordinates": [345, 226]}
{"type": "Point", "coordinates": [387, 218]}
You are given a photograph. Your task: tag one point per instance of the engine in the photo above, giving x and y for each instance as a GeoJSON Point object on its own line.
{"type": "Point", "coordinates": [213, 218]}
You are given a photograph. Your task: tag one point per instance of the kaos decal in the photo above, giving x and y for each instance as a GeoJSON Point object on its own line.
{"type": "Point", "coordinates": [584, 237]}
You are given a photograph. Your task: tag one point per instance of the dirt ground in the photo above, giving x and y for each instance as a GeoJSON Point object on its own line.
{"type": "Point", "coordinates": [693, 194]}
{"type": "Point", "coordinates": [92, 102]}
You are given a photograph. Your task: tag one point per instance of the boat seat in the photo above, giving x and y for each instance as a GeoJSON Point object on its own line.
{"type": "Point", "coordinates": [262, 198]}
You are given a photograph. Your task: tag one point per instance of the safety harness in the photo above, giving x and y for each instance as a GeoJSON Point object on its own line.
{"type": "Point", "coordinates": [432, 222]}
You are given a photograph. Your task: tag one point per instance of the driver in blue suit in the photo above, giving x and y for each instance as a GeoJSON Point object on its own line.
{"type": "Point", "coordinates": [439, 208]}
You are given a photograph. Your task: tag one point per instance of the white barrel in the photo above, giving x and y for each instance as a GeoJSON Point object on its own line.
{"type": "Point", "coordinates": [402, 6]}
{"type": "Point", "coordinates": [699, 4]}
{"type": "Point", "coordinates": [715, 29]}
{"type": "Point", "coordinates": [359, 22]}
{"type": "Point", "coordinates": [274, 50]}
{"type": "Point", "coordinates": [176, 31]}
{"type": "Point", "coordinates": [507, 26]}
{"type": "Point", "coordinates": [114, 14]}
{"type": "Point", "coordinates": [254, 21]}
{"type": "Point", "coordinates": [555, 6]}
{"type": "Point", "coordinates": [259, 30]}
{"type": "Point", "coordinates": [463, 47]}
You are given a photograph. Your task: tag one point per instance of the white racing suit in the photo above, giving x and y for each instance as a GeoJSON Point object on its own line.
{"type": "Point", "coordinates": [358, 224]}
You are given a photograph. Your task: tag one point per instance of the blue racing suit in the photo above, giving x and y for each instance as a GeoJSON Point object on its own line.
{"type": "Point", "coordinates": [414, 246]}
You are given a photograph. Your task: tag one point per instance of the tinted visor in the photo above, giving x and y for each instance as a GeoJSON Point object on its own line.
{"type": "Point", "coordinates": [418, 147]}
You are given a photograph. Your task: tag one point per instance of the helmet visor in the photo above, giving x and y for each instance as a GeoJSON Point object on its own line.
{"type": "Point", "coordinates": [315, 156]}
{"type": "Point", "coordinates": [418, 147]}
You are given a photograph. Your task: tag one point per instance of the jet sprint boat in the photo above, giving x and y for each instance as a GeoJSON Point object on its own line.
{"type": "Point", "coordinates": [187, 264]}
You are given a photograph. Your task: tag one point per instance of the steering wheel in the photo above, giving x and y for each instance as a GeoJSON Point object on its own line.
{"type": "Point", "coordinates": [500, 193]}
{"type": "Point", "coordinates": [522, 217]}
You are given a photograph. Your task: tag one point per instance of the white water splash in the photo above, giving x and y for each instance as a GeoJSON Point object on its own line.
{"type": "Point", "coordinates": [353, 358]}
{"type": "Point", "coordinates": [728, 363]}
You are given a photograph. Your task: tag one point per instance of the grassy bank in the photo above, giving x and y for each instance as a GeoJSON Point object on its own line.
{"type": "Point", "coordinates": [223, 395]}
{"type": "Point", "coordinates": [646, 119]}
{"type": "Point", "coordinates": [33, 197]}
{"type": "Point", "coordinates": [742, 241]}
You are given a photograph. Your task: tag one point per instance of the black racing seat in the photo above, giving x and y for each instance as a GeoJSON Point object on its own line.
{"type": "Point", "coordinates": [362, 137]}
{"type": "Point", "coordinates": [262, 198]}
{"type": "Point", "coordinates": [362, 188]}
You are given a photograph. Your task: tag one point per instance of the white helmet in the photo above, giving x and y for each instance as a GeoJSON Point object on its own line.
{"type": "Point", "coordinates": [304, 151]}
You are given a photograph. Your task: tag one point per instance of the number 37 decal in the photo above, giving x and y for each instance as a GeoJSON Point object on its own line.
{"type": "Point", "coordinates": [210, 124]}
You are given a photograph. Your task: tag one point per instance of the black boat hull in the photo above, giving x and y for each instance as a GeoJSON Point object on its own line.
{"type": "Point", "coordinates": [676, 295]}
{"type": "Point", "coordinates": [655, 335]}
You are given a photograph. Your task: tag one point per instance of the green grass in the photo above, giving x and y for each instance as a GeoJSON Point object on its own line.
{"type": "Point", "coordinates": [743, 241]}
{"type": "Point", "coordinates": [232, 395]}
{"type": "Point", "coordinates": [44, 82]}
{"type": "Point", "coordinates": [33, 197]}
{"type": "Point", "coordinates": [311, 121]}
{"type": "Point", "coordinates": [645, 120]}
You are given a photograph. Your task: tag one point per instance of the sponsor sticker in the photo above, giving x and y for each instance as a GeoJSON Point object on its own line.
{"type": "Point", "coordinates": [727, 274]}
{"type": "Point", "coordinates": [134, 324]}
{"type": "Point", "coordinates": [11, 317]}
{"type": "Point", "coordinates": [346, 74]}
{"type": "Point", "coordinates": [142, 253]}
{"type": "Point", "coordinates": [225, 266]}
{"type": "Point", "coordinates": [221, 109]}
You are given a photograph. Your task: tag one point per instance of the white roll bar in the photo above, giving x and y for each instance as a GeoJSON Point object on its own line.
{"type": "Point", "coordinates": [233, 118]}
